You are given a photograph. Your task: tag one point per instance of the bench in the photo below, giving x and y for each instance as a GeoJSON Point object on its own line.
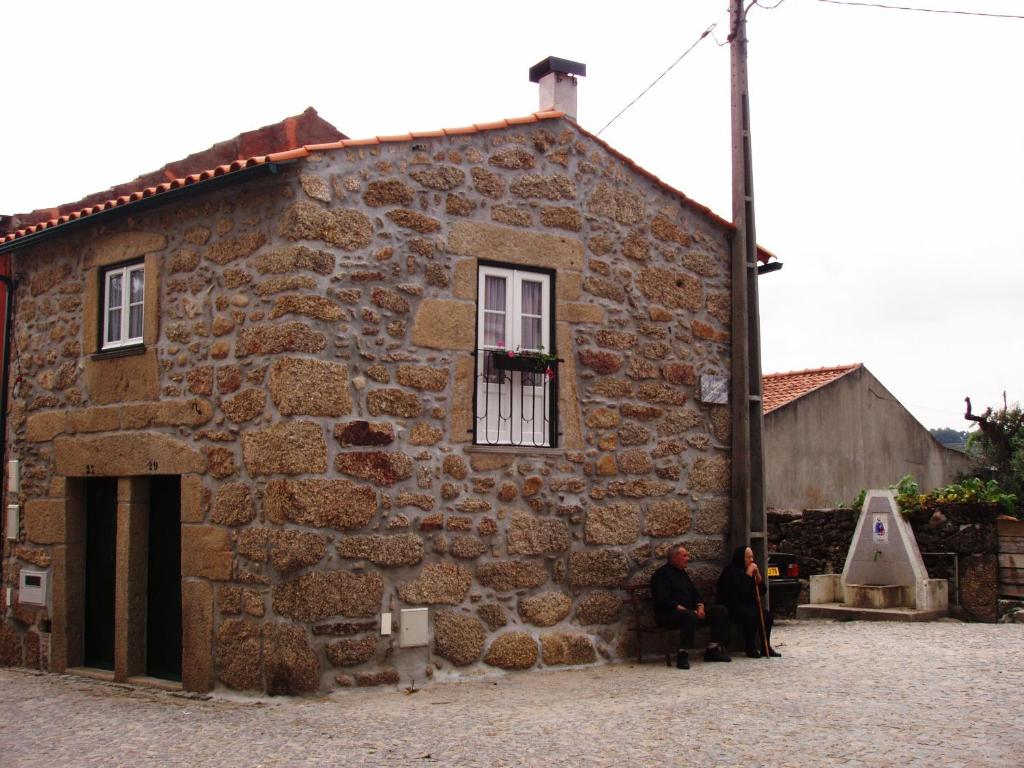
{"type": "Point", "coordinates": [643, 622]}
{"type": "Point", "coordinates": [644, 625]}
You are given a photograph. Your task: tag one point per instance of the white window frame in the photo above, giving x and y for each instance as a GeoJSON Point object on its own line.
{"type": "Point", "coordinates": [513, 434]}
{"type": "Point", "coordinates": [123, 339]}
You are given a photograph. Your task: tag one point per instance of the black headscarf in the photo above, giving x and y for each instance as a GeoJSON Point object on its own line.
{"type": "Point", "coordinates": [734, 586]}
{"type": "Point", "coordinates": [739, 557]}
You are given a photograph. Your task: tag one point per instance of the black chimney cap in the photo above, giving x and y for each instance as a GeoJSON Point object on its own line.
{"type": "Point", "coordinates": [555, 64]}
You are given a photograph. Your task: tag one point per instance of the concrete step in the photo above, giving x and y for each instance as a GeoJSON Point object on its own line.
{"type": "Point", "coordinates": [843, 612]}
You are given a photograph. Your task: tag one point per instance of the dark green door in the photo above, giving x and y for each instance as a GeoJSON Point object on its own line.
{"type": "Point", "coordinates": [163, 603]}
{"type": "Point", "coordinates": [100, 560]}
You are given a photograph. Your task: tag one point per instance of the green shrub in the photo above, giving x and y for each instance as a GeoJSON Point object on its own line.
{"type": "Point", "coordinates": [969, 491]}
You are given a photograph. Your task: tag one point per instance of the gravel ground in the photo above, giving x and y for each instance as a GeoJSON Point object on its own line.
{"type": "Point", "coordinates": [845, 693]}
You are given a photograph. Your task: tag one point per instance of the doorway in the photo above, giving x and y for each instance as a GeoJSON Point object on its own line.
{"type": "Point", "coordinates": [163, 587]}
{"type": "Point", "coordinates": [100, 571]}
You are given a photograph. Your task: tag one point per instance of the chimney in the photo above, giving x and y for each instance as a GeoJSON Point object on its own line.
{"type": "Point", "coordinates": [557, 83]}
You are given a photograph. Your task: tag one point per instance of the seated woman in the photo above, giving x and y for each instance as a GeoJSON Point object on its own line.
{"type": "Point", "coordinates": [738, 589]}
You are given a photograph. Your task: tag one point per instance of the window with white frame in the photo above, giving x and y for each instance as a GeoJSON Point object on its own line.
{"type": "Point", "coordinates": [516, 370]}
{"type": "Point", "coordinates": [123, 289]}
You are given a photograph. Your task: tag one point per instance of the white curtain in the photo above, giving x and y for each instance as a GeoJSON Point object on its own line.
{"type": "Point", "coordinates": [494, 311]}
{"type": "Point", "coordinates": [531, 315]}
{"type": "Point", "coordinates": [114, 298]}
{"type": "Point", "coordinates": [137, 281]}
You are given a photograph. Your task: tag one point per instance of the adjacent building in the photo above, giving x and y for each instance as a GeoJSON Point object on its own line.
{"type": "Point", "coordinates": [831, 432]}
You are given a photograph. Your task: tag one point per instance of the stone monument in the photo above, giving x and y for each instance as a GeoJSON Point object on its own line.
{"type": "Point", "coordinates": [884, 577]}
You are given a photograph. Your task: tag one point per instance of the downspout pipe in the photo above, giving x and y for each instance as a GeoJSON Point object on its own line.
{"type": "Point", "coordinates": [11, 284]}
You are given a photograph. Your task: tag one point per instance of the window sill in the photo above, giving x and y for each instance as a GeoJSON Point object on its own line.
{"type": "Point", "coordinates": [520, 450]}
{"type": "Point", "coordinates": [105, 354]}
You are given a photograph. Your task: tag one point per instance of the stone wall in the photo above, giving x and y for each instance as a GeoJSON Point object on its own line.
{"type": "Point", "coordinates": [308, 372]}
{"type": "Point", "coordinates": [821, 540]}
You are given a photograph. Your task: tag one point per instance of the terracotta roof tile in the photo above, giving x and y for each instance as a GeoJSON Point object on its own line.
{"type": "Point", "coordinates": [464, 130]}
{"type": "Point", "coordinates": [289, 154]}
{"type": "Point", "coordinates": [493, 126]}
{"type": "Point", "coordinates": [779, 389]}
{"type": "Point", "coordinates": [61, 217]}
{"type": "Point", "coordinates": [535, 117]}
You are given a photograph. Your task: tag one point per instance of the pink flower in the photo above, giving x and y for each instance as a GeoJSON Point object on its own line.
{"type": "Point", "coordinates": [511, 353]}
{"type": "Point", "coordinates": [501, 345]}
{"type": "Point", "coordinates": [550, 373]}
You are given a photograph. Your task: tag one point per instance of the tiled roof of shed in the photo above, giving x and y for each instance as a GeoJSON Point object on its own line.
{"type": "Point", "coordinates": [779, 389]}
{"type": "Point", "coordinates": [308, 149]}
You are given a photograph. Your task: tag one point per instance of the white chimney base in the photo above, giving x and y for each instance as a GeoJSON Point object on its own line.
{"type": "Point", "coordinates": [557, 80]}
{"type": "Point", "coordinates": [558, 91]}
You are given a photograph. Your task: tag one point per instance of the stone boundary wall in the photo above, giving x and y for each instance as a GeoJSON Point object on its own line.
{"type": "Point", "coordinates": [821, 540]}
{"type": "Point", "coordinates": [308, 372]}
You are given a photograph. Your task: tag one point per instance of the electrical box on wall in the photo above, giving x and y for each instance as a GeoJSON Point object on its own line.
{"type": "Point", "coordinates": [13, 515]}
{"type": "Point", "coordinates": [32, 587]}
{"type": "Point", "coordinates": [413, 631]}
{"type": "Point", "coordinates": [14, 476]}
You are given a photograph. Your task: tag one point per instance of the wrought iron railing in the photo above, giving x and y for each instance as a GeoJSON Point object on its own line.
{"type": "Point", "coordinates": [514, 399]}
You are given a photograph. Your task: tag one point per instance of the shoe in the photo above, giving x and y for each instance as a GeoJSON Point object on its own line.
{"type": "Point", "coordinates": [772, 652]}
{"type": "Point", "coordinates": [716, 654]}
{"type": "Point", "coordinates": [682, 660]}
{"type": "Point", "coordinates": [754, 653]}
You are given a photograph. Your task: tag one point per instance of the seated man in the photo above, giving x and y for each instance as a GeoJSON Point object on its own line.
{"type": "Point", "coordinates": [677, 603]}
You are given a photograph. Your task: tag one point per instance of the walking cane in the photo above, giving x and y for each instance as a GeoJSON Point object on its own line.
{"type": "Point", "coordinates": [760, 615]}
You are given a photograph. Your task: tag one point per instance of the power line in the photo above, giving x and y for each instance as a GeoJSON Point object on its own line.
{"type": "Point", "coordinates": [705, 33]}
{"type": "Point", "coordinates": [921, 10]}
{"type": "Point", "coordinates": [710, 31]}
{"type": "Point", "coordinates": [696, 42]}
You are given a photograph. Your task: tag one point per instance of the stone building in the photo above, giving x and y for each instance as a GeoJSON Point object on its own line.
{"type": "Point", "coordinates": [259, 407]}
{"type": "Point", "coordinates": [830, 433]}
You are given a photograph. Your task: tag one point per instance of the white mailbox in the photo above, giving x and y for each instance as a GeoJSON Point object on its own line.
{"type": "Point", "coordinates": [32, 587]}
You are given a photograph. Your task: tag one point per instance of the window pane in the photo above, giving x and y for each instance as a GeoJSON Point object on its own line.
{"type": "Point", "coordinates": [494, 329]}
{"type": "Point", "coordinates": [114, 325]}
{"type": "Point", "coordinates": [532, 338]}
{"type": "Point", "coordinates": [137, 281]}
{"type": "Point", "coordinates": [114, 291]}
{"type": "Point", "coordinates": [531, 298]}
{"type": "Point", "coordinates": [135, 322]}
{"type": "Point", "coordinates": [494, 293]}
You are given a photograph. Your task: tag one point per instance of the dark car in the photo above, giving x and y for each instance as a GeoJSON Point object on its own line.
{"type": "Point", "coordinates": [783, 579]}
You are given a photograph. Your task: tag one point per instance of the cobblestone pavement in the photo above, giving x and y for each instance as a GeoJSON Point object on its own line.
{"type": "Point", "coordinates": [941, 694]}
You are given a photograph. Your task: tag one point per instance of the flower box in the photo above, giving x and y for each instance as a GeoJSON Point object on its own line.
{"type": "Point", "coordinates": [522, 363]}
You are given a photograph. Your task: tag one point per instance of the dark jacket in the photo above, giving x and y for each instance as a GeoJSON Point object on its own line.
{"type": "Point", "coordinates": [670, 587]}
{"type": "Point", "coordinates": [735, 588]}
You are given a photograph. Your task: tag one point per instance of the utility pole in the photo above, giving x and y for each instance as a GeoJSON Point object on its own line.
{"type": "Point", "coordinates": [748, 518]}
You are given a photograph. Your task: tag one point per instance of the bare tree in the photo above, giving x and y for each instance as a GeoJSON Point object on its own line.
{"type": "Point", "coordinates": [999, 434]}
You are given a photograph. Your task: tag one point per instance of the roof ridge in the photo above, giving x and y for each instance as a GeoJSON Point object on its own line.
{"type": "Point", "coordinates": [780, 389]}
{"type": "Point", "coordinates": [308, 149]}
{"type": "Point", "coordinates": [274, 157]}
{"type": "Point", "coordinates": [826, 369]}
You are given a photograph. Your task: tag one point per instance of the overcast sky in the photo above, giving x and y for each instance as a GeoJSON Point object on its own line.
{"type": "Point", "coordinates": [888, 145]}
